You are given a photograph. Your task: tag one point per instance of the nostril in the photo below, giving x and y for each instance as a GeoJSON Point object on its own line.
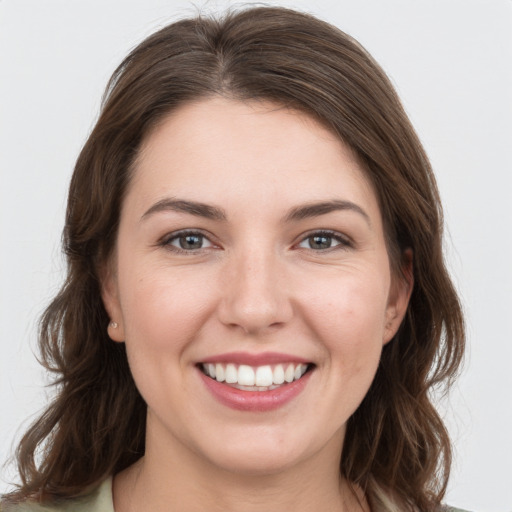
{"type": "Point", "coordinates": [255, 318]}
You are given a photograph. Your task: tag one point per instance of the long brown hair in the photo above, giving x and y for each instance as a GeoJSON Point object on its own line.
{"type": "Point", "coordinates": [396, 446]}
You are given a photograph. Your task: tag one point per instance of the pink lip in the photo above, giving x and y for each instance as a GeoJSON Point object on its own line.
{"type": "Point", "coordinates": [261, 359]}
{"type": "Point", "coordinates": [256, 401]}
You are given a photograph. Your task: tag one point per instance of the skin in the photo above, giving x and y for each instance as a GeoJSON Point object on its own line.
{"type": "Point", "coordinates": [256, 284]}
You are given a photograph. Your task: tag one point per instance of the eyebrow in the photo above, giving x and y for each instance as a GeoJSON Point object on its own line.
{"type": "Point", "coordinates": [191, 207]}
{"type": "Point", "coordinates": [298, 213]}
{"type": "Point", "coordinates": [322, 208]}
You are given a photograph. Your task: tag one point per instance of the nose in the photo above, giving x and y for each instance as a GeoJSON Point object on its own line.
{"type": "Point", "coordinates": [255, 295]}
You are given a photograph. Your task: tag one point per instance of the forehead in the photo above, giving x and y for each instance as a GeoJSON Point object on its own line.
{"type": "Point", "coordinates": [218, 149]}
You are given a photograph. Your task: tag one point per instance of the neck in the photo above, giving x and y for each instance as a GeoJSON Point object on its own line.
{"type": "Point", "coordinates": [185, 481]}
{"type": "Point", "coordinates": [138, 488]}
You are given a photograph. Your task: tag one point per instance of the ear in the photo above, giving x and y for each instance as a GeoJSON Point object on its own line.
{"type": "Point", "coordinates": [110, 297]}
{"type": "Point", "coordinates": [399, 296]}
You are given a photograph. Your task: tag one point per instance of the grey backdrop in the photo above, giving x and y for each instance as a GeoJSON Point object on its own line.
{"type": "Point", "coordinates": [451, 61]}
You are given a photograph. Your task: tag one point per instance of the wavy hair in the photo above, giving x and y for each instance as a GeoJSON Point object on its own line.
{"type": "Point", "coordinates": [396, 446]}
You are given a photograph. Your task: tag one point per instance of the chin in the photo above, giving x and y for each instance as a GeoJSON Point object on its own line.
{"type": "Point", "coordinates": [258, 463]}
{"type": "Point", "coordinates": [260, 453]}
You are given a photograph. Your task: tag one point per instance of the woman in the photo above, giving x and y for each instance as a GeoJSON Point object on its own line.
{"type": "Point", "coordinates": [257, 306]}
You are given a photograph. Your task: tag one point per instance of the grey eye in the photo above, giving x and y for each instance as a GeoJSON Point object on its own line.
{"type": "Point", "coordinates": [318, 242]}
{"type": "Point", "coordinates": [324, 240]}
{"type": "Point", "coordinates": [189, 241]}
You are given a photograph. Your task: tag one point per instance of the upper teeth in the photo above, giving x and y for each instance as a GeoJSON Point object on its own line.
{"type": "Point", "coordinates": [262, 376]}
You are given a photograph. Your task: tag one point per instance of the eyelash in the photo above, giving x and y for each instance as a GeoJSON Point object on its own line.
{"type": "Point", "coordinates": [166, 241]}
{"type": "Point", "coordinates": [343, 241]}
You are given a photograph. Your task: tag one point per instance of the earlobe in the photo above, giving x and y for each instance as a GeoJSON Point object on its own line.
{"type": "Point", "coordinates": [110, 297]}
{"type": "Point", "coordinates": [399, 297]}
{"type": "Point", "coordinates": [115, 331]}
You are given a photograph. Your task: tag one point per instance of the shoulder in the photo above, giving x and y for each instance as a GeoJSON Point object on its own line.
{"type": "Point", "coordinates": [99, 500]}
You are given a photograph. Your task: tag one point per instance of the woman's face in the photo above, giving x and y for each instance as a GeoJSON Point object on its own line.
{"type": "Point", "coordinates": [251, 285]}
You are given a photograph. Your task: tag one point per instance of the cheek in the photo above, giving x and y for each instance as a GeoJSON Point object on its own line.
{"type": "Point", "coordinates": [349, 318]}
{"type": "Point", "coordinates": [163, 310]}
{"type": "Point", "coordinates": [350, 302]}
{"type": "Point", "coordinates": [162, 314]}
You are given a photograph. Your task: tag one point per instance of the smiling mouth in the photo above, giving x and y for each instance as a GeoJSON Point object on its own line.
{"type": "Point", "coordinates": [255, 378]}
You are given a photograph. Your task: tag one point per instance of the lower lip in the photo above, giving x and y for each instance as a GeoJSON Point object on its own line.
{"type": "Point", "coordinates": [257, 401]}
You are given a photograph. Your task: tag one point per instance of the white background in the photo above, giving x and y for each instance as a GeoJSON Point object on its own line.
{"type": "Point", "coordinates": [451, 61]}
